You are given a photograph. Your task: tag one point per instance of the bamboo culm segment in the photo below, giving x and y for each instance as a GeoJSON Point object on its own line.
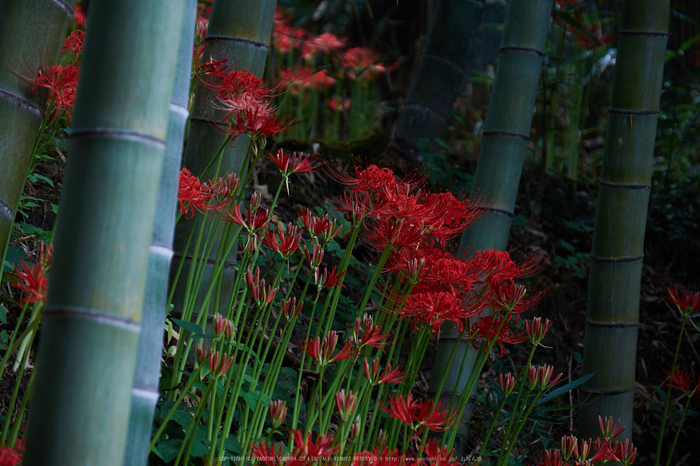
{"type": "Point", "coordinates": [86, 358]}
{"type": "Point", "coordinates": [144, 394]}
{"type": "Point", "coordinates": [612, 320]}
{"type": "Point", "coordinates": [441, 70]}
{"type": "Point", "coordinates": [31, 35]}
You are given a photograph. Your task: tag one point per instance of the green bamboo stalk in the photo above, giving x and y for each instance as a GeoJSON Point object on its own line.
{"type": "Point", "coordinates": [144, 393]}
{"type": "Point", "coordinates": [506, 135]}
{"type": "Point", "coordinates": [31, 35]}
{"type": "Point", "coordinates": [441, 70]}
{"type": "Point", "coordinates": [86, 358]}
{"type": "Point", "coordinates": [240, 31]}
{"type": "Point", "coordinates": [618, 239]}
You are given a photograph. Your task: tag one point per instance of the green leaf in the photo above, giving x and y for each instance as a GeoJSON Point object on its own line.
{"type": "Point", "coordinates": [232, 445]}
{"type": "Point", "coordinates": [189, 326]}
{"type": "Point", "coordinates": [169, 449]}
{"type": "Point", "coordinates": [3, 315]}
{"type": "Point", "coordinates": [198, 450]}
{"type": "Point", "coordinates": [251, 399]}
{"type": "Point", "coordinates": [182, 417]}
{"type": "Point", "coordinates": [564, 388]}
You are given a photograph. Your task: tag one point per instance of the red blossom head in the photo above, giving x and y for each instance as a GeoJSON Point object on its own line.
{"type": "Point", "coordinates": [32, 280]}
{"type": "Point", "coordinates": [686, 303]}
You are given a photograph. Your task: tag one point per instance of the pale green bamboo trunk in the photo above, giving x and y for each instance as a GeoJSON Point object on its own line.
{"type": "Point", "coordinates": [80, 408]}
{"type": "Point", "coordinates": [31, 35]}
{"type": "Point", "coordinates": [618, 239]}
{"type": "Point", "coordinates": [240, 31]}
{"type": "Point", "coordinates": [144, 394]}
{"type": "Point", "coordinates": [506, 135]}
{"type": "Point", "coordinates": [441, 70]}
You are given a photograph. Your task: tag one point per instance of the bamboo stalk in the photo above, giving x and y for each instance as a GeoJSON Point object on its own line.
{"type": "Point", "coordinates": [31, 35]}
{"type": "Point", "coordinates": [86, 358]}
{"type": "Point", "coordinates": [441, 70]}
{"type": "Point", "coordinates": [144, 393]}
{"type": "Point", "coordinates": [506, 134]}
{"type": "Point", "coordinates": [617, 253]}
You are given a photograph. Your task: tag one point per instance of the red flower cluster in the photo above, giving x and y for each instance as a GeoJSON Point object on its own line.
{"type": "Point", "coordinates": [681, 381]}
{"type": "Point", "coordinates": [418, 415]}
{"type": "Point", "coordinates": [194, 195]}
{"type": "Point", "coordinates": [306, 451]}
{"type": "Point", "coordinates": [12, 456]}
{"type": "Point", "coordinates": [579, 452]}
{"type": "Point", "coordinates": [32, 280]}
{"type": "Point", "coordinates": [242, 98]}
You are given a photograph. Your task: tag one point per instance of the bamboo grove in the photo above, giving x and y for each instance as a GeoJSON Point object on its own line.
{"type": "Point", "coordinates": [185, 323]}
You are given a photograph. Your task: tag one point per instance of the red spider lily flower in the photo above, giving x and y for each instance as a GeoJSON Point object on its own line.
{"type": "Point", "coordinates": [336, 103]}
{"type": "Point", "coordinates": [603, 451]}
{"type": "Point", "coordinates": [293, 163]}
{"type": "Point", "coordinates": [190, 194]}
{"type": "Point", "coordinates": [9, 457]}
{"type": "Point", "coordinates": [625, 453]}
{"type": "Point", "coordinates": [278, 412]}
{"type": "Point", "coordinates": [569, 446]}
{"type": "Point", "coordinates": [321, 351]}
{"type": "Point", "coordinates": [80, 15]}
{"type": "Point", "coordinates": [223, 326]}
{"type": "Point", "coordinates": [371, 178]}
{"type": "Point", "coordinates": [551, 458]}
{"type": "Point", "coordinates": [212, 68]}
{"type": "Point", "coordinates": [314, 257]}
{"type": "Point", "coordinates": [328, 280]}
{"type": "Point", "coordinates": [687, 303]}
{"type": "Point", "coordinates": [200, 354]}
{"type": "Point", "coordinates": [322, 227]}
{"type": "Point", "coordinates": [269, 455]}
{"type": "Point", "coordinates": [418, 414]}
{"type": "Point", "coordinates": [607, 430]}
{"type": "Point", "coordinates": [361, 62]}
{"type": "Point", "coordinates": [541, 377]}
{"type": "Point", "coordinates": [349, 351]}
{"type": "Point", "coordinates": [498, 265]}
{"type": "Point", "coordinates": [290, 308]}
{"type": "Point", "coordinates": [312, 451]}
{"type": "Point", "coordinates": [371, 335]}
{"type": "Point", "coordinates": [438, 456]}
{"type": "Point", "coordinates": [289, 164]}
{"type": "Point", "coordinates": [357, 204]}
{"type": "Point", "coordinates": [509, 296]}
{"type": "Point", "coordinates": [507, 384]}
{"type": "Point", "coordinates": [284, 242]}
{"type": "Point", "coordinates": [536, 330]}
{"type": "Point", "coordinates": [218, 363]}
{"type": "Point", "coordinates": [223, 191]}
{"type": "Point", "coordinates": [346, 404]}
{"type": "Point", "coordinates": [434, 308]}
{"type": "Point", "coordinates": [33, 280]}
{"type": "Point", "coordinates": [256, 122]}
{"type": "Point", "coordinates": [680, 380]}
{"type": "Point", "coordinates": [386, 376]}
{"type": "Point", "coordinates": [74, 43]}
{"type": "Point", "coordinates": [237, 83]}
{"type": "Point", "coordinates": [256, 218]}
{"type": "Point", "coordinates": [485, 329]}
{"type": "Point", "coordinates": [62, 82]}
{"type": "Point", "coordinates": [261, 295]}
{"type": "Point", "coordinates": [325, 43]}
